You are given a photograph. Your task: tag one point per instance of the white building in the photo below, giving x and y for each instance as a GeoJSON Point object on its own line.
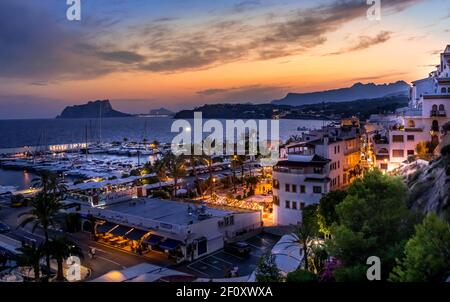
{"type": "Point", "coordinates": [325, 161]}
{"type": "Point", "coordinates": [422, 122]}
{"type": "Point", "coordinates": [182, 231]}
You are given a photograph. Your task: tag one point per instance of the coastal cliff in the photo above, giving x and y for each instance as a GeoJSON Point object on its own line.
{"type": "Point", "coordinates": [93, 109]}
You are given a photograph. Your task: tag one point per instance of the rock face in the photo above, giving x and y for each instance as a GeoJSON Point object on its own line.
{"type": "Point", "coordinates": [429, 185]}
{"type": "Point", "coordinates": [357, 91]}
{"type": "Point", "coordinates": [94, 109]}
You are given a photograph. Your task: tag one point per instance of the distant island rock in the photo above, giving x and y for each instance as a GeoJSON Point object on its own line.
{"type": "Point", "coordinates": [357, 92]}
{"type": "Point", "coordinates": [161, 112]}
{"type": "Point", "coordinates": [94, 109]}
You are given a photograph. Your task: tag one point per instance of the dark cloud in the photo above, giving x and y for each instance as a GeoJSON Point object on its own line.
{"type": "Point", "coordinates": [246, 5]}
{"type": "Point", "coordinates": [125, 57]}
{"type": "Point", "coordinates": [365, 42]}
{"type": "Point", "coordinates": [251, 93]}
{"type": "Point", "coordinates": [33, 45]}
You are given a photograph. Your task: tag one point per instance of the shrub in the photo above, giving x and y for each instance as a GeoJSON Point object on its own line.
{"type": "Point", "coordinates": [161, 194]}
{"type": "Point", "coordinates": [72, 222]}
{"type": "Point", "coordinates": [301, 276]}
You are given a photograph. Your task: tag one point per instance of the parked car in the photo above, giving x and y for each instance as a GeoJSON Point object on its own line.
{"type": "Point", "coordinates": [4, 228]}
{"type": "Point", "coordinates": [238, 248]}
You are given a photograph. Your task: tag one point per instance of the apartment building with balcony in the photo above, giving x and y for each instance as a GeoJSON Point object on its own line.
{"type": "Point", "coordinates": [428, 111]}
{"type": "Point", "coordinates": [323, 161]}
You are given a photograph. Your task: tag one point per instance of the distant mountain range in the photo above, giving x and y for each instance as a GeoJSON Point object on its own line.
{"type": "Point", "coordinates": [161, 112]}
{"type": "Point", "coordinates": [93, 109]}
{"type": "Point", "coordinates": [357, 92]}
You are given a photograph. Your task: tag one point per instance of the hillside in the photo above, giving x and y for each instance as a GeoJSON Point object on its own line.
{"type": "Point", "coordinates": [356, 92]}
{"type": "Point", "coordinates": [361, 108]}
{"type": "Point", "coordinates": [94, 109]}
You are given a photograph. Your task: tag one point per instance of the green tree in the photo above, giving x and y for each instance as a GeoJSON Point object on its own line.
{"type": "Point", "coordinates": [267, 270]}
{"type": "Point", "coordinates": [373, 221]}
{"type": "Point", "coordinates": [159, 167]}
{"type": "Point", "coordinates": [30, 256]}
{"type": "Point", "coordinates": [427, 254]}
{"type": "Point", "coordinates": [177, 169]}
{"type": "Point", "coordinates": [301, 276]}
{"type": "Point", "coordinates": [43, 212]}
{"type": "Point", "coordinates": [60, 249]}
{"type": "Point", "coordinates": [326, 211]}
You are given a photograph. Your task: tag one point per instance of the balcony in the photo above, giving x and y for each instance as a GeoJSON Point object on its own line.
{"type": "Point", "coordinates": [438, 113]}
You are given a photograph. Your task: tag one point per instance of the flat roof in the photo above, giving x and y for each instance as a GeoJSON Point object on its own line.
{"type": "Point", "coordinates": [167, 211]}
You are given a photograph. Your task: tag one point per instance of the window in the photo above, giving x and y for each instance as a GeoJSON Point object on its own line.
{"type": "Point", "coordinates": [317, 189]}
{"type": "Point", "coordinates": [318, 170]}
{"type": "Point", "coordinates": [411, 124]}
{"type": "Point", "coordinates": [288, 204]}
{"type": "Point", "coordinates": [441, 108]}
{"type": "Point", "coordinates": [294, 188]}
{"type": "Point", "coordinates": [276, 200]}
{"type": "Point", "coordinates": [443, 90]}
{"type": "Point", "coordinates": [397, 138]}
{"type": "Point", "coordinates": [302, 189]}
{"type": "Point", "coordinates": [339, 149]}
{"type": "Point", "coordinates": [294, 205]}
{"type": "Point", "coordinates": [302, 205]}
{"type": "Point", "coordinates": [410, 152]}
{"type": "Point", "coordinates": [398, 153]}
{"type": "Point", "coordinates": [339, 164]}
{"type": "Point", "coordinates": [287, 188]}
{"type": "Point", "coordinates": [276, 184]}
{"type": "Point", "coordinates": [384, 166]}
{"type": "Point", "coordinates": [411, 138]}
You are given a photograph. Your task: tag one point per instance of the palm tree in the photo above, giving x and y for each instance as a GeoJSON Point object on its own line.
{"type": "Point", "coordinates": [42, 181]}
{"type": "Point", "coordinates": [234, 166]}
{"type": "Point", "coordinates": [30, 256]}
{"type": "Point", "coordinates": [303, 237]}
{"type": "Point", "coordinates": [193, 160]}
{"type": "Point", "coordinates": [177, 169]}
{"type": "Point", "coordinates": [43, 212]}
{"type": "Point", "coordinates": [56, 186]}
{"type": "Point", "coordinates": [159, 167]}
{"type": "Point", "coordinates": [60, 249]}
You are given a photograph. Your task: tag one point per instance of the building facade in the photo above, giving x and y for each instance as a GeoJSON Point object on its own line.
{"type": "Point", "coordinates": [325, 160]}
{"type": "Point", "coordinates": [422, 121]}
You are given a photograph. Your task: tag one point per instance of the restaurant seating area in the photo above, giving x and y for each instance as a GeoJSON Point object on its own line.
{"type": "Point", "coordinates": [137, 241]}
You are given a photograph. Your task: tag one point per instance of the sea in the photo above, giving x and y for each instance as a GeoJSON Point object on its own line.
{"type": "Point", "coordinates": [16, 135]}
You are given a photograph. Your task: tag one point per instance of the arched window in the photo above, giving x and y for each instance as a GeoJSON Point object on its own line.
{"type": "Point", "coordinates": [443, 90]}
{"type": "Point", "coordinates": [441, 108]}
{"type": "Point", "coordinates": [435, 108]}
{"type": "Point", "coordinates": [435, 126]}
{"type": "Point", "coordinates": [411, 124]}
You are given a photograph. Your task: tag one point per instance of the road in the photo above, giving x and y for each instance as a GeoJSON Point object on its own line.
{"type": "Point", "coordinates": [107, 258]}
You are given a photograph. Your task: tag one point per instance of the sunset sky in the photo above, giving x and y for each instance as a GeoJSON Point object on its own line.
{"type": "Point", "coordinates": [144, 54]}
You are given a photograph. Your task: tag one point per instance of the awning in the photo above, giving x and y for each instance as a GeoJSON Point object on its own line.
{"type": "Point", "coordinates": [106, 227]}
{"type": "Point", "coordinates": [153, 239]}
{"type": "Point", "coordinates": [135, 234]}
{"type": "Point", "coordinates": [170, 244]}
{"type": "Point", "coordinates": [120, 230]}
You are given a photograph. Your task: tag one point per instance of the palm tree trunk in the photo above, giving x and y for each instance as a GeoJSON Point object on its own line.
{"type": "Point", "coordinates": [47, 253]}
{"type": "Point", "coordinates": [36, 272]}
{"type": "Point", "coordinates": [305, 253]}
{"type": "Point", "coordinates": [60, 275]}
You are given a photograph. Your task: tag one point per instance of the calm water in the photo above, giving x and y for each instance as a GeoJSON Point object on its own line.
{"type": "Point", "coordinates": [21, 133]}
